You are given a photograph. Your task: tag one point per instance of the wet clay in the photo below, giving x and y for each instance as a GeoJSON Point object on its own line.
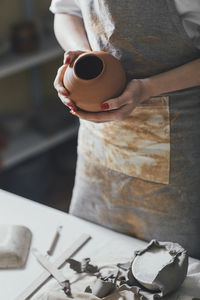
{"type": "Point", "coordinates": [161, 266]}
{"type": "Point", "coordinates": [14, 245]}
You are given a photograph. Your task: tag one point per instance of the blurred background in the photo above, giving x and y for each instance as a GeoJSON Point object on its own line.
{"type": "Point", "coordinates": [38, 136]}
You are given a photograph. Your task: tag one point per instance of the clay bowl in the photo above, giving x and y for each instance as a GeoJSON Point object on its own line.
{"type": "Point", "coordinates": [95, 77]}
{"type": "Point", "coordinates": [161, 266]}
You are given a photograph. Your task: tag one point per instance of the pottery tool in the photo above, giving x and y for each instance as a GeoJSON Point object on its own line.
{"type": "Point", "coordinates": [57, 274]}
{"type": "Point", "coordinates": [54, 241]}
{"type": "Point", "coordinates": [38, 282]}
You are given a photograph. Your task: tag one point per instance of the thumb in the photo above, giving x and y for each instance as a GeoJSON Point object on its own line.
{"type": "Point", "coordinates": [114, 103]}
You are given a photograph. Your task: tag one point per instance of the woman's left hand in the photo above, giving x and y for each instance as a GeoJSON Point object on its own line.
{"type": "Point", "coordinates": [118, 109]}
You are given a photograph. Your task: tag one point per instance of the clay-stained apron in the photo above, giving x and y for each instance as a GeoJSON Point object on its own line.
{"type": "Point", "coordinates": [138, 146]}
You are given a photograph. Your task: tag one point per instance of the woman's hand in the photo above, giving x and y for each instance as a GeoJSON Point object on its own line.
{"type": "Point", "coordinates": [118, 109]}
{"type": "Point", "coordinates": [63, 94]}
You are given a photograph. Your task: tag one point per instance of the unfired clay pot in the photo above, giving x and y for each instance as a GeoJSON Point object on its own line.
{"type": "Point", "coordinates": [95, 77]}
{"type": "Point", "coordinates": [160, 266]}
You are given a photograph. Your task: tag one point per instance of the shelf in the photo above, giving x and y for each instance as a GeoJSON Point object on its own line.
{"type": "Point", "coordinates": [12, 63]}
{"type": "Point", "coordinates": [30, 143]}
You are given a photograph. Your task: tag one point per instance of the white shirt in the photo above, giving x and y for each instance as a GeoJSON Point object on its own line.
{"type": "Point", "coordinates": [189, 11]}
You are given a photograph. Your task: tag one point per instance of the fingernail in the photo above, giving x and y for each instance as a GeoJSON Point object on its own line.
{"type": "Point", "coordinates": [67, 60]}
{"type": "Point", "coordinates": [65, 94]}
{"type": "Point", "coordinates": [73, 112]}
{"type": "Point", "coordinates": [70, 105]}
{"type": "Point", "coordinates": [105, 106]}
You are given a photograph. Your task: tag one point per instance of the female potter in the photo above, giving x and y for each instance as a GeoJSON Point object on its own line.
{"type": "Point", "coordinates": [138, 164]}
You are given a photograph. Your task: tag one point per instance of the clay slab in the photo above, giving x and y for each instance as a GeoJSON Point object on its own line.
{"type": "Point", "coordinates": [14, 245]}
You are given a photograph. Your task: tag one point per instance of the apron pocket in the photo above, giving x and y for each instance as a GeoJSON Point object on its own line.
{"type": "Point", "coordinates": [138, 146]}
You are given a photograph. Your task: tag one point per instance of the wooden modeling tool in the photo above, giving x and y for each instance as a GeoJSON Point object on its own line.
{"type": "Point", "coordinates": [38, 282]}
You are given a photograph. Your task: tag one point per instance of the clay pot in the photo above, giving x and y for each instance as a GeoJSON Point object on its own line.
{"type": "Point", "coordinates": [95, 77]}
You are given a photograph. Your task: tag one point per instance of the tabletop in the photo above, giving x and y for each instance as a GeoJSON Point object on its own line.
{"type": "Point", "coordinates": [43, 222]}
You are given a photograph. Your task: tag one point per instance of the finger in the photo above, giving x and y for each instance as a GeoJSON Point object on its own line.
{"type": "Point", "coordinates": [115, 103]}
{"type": "Point", "coordinates": [70, 56]}
{"type": "Point", "coordinates": [74, 56]}
{"type": "Point", "coordinates": [58, 82]}
{"type": "Point", "coordinates": [64, 99]}
{"type": "Point", "coordinates": [93, 117]}
{"type": "Point", "coordinates": [109, 116]}
{"type": "Point", "coordinates": [66, 59]}
{"type": "Point", "coordinates": [68, 102]}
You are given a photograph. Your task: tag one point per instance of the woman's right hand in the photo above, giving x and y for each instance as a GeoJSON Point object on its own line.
{"type": "Point", "coordinates": [63, 94]}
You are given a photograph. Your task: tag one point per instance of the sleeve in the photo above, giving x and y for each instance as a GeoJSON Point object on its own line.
{"type": "Point", "coordinates": [65, 6]}
{"type": "Point", "coordinates": [189, 12]}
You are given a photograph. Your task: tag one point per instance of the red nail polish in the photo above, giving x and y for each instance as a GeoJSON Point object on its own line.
{"type": "Point", "coordinates": [67, 60]}
{"type": "Point", "coordinates": [70, 105]}
{"type": "Point", "coordinates": [105, 106]}
{"type": "Point", "coordinates": [65, 94]}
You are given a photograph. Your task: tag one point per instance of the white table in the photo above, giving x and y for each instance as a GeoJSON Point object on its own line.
{"type": "Point", "coordinates": [43, 221]}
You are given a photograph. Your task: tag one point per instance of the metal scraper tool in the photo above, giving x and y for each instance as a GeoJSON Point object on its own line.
{"type": "Point", "coordinates": [38, 282]}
